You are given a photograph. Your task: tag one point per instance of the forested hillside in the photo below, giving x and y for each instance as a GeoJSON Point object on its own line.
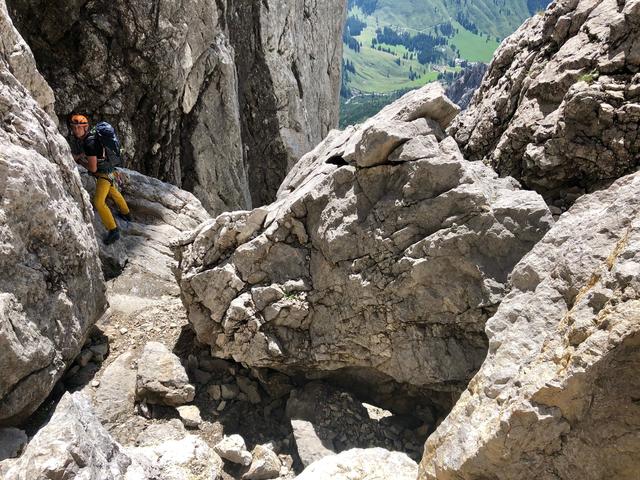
{"type": "Point", "coordinates": [395, 45]}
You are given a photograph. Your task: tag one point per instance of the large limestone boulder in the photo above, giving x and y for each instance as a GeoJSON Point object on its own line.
{"type": "Point", "coordinates": [72, 445]}
{"type": "Point", "coordinates": [51, 285]}
{"type": "Point", "coordinates": [559, 106]}
{"type": "Point", "coordinates": [384, 254]}
{"type": "Point", "coordinates": [217, 97]}
{"type": "Point", "coordinates": [362, 464]}
{"type": "Point", "coordinates": [557, 396]}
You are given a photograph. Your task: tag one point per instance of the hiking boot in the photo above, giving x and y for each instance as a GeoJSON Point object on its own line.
{"type": "Point", "coordinates": [112, 236]}
{"type": "Point", "coordinates": [125, 216]}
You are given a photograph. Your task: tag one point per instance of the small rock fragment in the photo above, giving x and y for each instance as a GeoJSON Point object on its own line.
{"type": "Point", "coordinates": [190, 415]}
{"type": "Point", "coordinates": [85, 357]}
{"type": "Point", "coordinates": [229, 391]}
{"type": "Point", "coordinates": [233, 448]}
{"type": "Point", "coordinates": [249, 388]}
{"type": "Point", "coordinates": [214, 392]}
{"type": "Point", "coordinates": [265, 464]}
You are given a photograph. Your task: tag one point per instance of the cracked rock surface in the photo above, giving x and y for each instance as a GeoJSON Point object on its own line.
{"type": "Point", "coordinates": [51, 286]}
{"type": "Point", "coordinates": [557, 396]}
{"type": "Point", "coordinates": [560, 105]}
{"type": "Point", "coordinates": [383, 257]}
{"type": "Point", "coordinates": [218, 97]}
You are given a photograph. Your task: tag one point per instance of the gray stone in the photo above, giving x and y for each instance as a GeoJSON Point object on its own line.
{"type": "Point", "coordinates": [12, 441]}
{"type": "Point", "coordinates": [183, 458]}
{"type": "Point", "coordinates": [233, 448]}
{"type": "Point", "coordinates": [265, 464]}
{"type": "Point", "coordinates": [202, 377]}
{"type": "Point", "coordinates": [249, 388]}
{"type": "Point", "coordinates": [229, 391]}
{"type": "Point", "coordinates": [100, 349]}
{"type": "Point", "coordinates": [388, 271]}
{"type": "Point", "coordinates": [158, 433]}
{"type": "Point", "coordinates": [161, 378]}
{"type": "Point", "coordinates": [190, 415]}
{"type": "Point", "coordinates": [49, 268]}
{"type": "Point", "coordinates": [362, 464]}
{"type": "Point", "coordinates": [558, 387]}
{"type": "Point", "coordinates": [309, 445]}
{"type": "Point", "coordinates": [18, 58]}
{"type": "Point", "coordinates": [215, 392]}
{"type": "Point", "coordinates": [214, 365]}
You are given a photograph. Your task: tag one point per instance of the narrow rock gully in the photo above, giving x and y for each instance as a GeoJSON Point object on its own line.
{"type": "Point", "coordinates": [151, 383]}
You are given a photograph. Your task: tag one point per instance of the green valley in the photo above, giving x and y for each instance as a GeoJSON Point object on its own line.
{"type": "Point", "coordinates": [397, 45]}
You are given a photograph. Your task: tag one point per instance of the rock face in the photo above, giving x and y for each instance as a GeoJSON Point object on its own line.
{"type": "Point", "coordinates": [288, 57]}
{"type": "Point", "coordinates": [217, 97]}
{"type": "Point", "coordinates": [461, 91]}
{"type": "Point", "coordinates": [18, 59]}
{"type": "Point", "coordinates": [51, 286]}
{"type": "Point", "coordinates": [383, 257]}
{"type": "Point", "coordinates": [557, 394]}
{"type": "Point", "coordinates": [559, 106]}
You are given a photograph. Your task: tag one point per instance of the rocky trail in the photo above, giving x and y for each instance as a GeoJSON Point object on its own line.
{"type": "Point", "coordinates": [149, 382]}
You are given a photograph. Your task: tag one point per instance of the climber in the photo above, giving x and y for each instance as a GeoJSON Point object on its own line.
{"type": "Point", "coordinates": [90, 153]}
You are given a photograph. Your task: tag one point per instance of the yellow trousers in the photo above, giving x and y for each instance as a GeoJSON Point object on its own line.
{"type": "Point", "coordinates": [105, 188]}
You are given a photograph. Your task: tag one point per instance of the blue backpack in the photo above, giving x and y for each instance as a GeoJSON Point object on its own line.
{"type": "Point", "coordinates": [109, 140]}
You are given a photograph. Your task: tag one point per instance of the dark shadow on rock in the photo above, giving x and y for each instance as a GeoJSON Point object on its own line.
{"type": "Point", "coordinates": [337, 160]}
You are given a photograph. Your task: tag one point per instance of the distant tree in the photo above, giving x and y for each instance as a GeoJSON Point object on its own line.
{"type": "Point", "coordinates": [354, 26]}
{"type": "Point", "coordinates": [367, 6]}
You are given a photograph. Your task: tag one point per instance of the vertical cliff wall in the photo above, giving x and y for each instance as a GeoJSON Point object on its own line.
{"type": "Point", "coordinates": [288, 56]}
{"type": "Point", "coordinates": [51, 286]}
{"type": "Point", "coordinates": [218, 97]}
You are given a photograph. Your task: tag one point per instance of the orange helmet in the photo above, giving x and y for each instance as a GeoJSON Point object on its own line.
{"type": "Point", "coordinates": [79, 120]}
